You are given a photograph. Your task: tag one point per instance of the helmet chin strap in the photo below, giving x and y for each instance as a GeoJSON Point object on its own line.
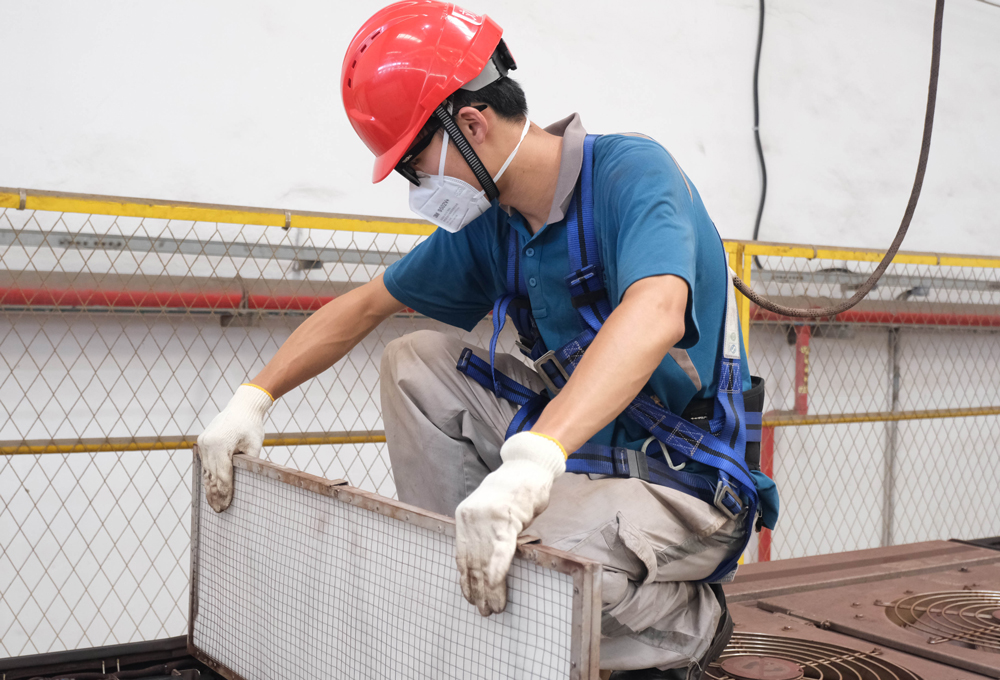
{"type": "Point", "coordinates": [443, 114]}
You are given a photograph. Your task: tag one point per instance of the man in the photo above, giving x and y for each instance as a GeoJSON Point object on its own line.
{"type": "Point", "coordinates": [643, 327]}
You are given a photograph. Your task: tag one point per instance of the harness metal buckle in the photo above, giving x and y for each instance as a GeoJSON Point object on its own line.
{"type": "Point", "coordinates": [519, 343]}
{"type": "Point", "coordinates": [580, 275]}
{"type": "Point", "coordinates": [463, 360]}
{"type": "Point", "coordinates": [724, 492]}
{"type": "Point", "coordinates": [666, 454]}
{"type": "Point", "coordinates": [550, 357]}
{"type": "Point", "coordinates": [637, 466]}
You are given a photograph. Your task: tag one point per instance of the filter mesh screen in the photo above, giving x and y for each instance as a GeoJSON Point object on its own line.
{"type": "Point", "coordinates": [290, 583]}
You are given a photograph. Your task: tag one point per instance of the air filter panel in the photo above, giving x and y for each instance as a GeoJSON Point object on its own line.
{"type": "Point", "coordinates": [311, 579]}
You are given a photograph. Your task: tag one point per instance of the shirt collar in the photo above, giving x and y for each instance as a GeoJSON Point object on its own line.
{"type": "Point", "coordinates": [570, 163]}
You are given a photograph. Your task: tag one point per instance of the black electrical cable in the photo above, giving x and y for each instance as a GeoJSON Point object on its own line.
{"type": "Point", "coordinates": [756, 131]}
{"type": "Point", "coordinates": [911, 206]}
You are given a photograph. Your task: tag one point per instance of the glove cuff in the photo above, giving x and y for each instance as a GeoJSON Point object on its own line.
{"type": "Point", "coordinates": [540, 449]}
{"type": "Point", "coordinates": [251, 398]}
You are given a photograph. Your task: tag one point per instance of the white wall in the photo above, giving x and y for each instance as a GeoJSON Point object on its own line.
{"type": "Point", "coordinates": [238, 102]}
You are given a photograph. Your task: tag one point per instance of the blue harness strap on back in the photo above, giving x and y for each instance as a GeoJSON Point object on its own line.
{"type": "Point", "coordinates": [722, 447]}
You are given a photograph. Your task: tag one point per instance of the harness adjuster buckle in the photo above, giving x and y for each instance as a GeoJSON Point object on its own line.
{"type": "Point", "coordinates": [580, 275]}
{"type": "Point", "coordinates": [637, 466]}
{"type": "Point", "coordinates": [463, 360]}
{"type": "Point", "coordinates": [522, 345]}
{"type": "Point", "coordinates": [629, 463]}
{"type": "Point", "coordinates": [724, 495]}
{"type": "Point", "coordinates": [550, 358]}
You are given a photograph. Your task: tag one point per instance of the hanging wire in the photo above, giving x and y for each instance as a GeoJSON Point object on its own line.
{"type": "Point", "coordinates": [911, 206]}
{"type": "Point", "coordinates": [756, 131]}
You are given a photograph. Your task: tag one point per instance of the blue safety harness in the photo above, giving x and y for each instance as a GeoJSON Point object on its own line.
{"type": "Point", "coordinates": [720, 446]}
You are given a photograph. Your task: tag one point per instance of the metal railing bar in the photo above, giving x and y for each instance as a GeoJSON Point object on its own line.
{"type": "Point", "coordinates": [877, 416]}
{"type": "Point", "coordinates": [98, 445]}
{"type": "Point", "coordinates": [171, 246]}
{"type": "Point", "coordinates": [57, 201]}
{"type": "Point", "coordinates": [178, 442]}
{"type": "Point", "coordinates": [849, 281]}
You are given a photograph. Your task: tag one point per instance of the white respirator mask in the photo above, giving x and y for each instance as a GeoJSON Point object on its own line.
{"type": "Point", "coordinates": [449, 202]}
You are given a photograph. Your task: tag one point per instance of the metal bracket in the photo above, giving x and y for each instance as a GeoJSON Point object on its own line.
{"type": "Point", "coordinates": [666, 454]}
{"type": "Point", "coordinates": [550, 357]}
{"type": "Point", "coordinates": [637, 466]}
{"type": "Point", "coordinates": [721, 491]}
{"type": "Point", "coordinates": [242, 316]}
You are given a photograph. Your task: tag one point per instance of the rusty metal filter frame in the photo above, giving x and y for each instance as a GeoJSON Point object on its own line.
{"type": "Point", "coordinates": [585, 574]}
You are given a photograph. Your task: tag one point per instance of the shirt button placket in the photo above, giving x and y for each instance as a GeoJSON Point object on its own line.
{"type": "Point", "coordinates": [531, 267]}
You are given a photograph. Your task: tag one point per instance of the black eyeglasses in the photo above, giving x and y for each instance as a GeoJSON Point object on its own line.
{"type": "Point", "coordinates": [405, 167]}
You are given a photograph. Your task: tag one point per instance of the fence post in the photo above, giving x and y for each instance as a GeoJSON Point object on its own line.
{"type": "Point", "coordinates": [741, 264]}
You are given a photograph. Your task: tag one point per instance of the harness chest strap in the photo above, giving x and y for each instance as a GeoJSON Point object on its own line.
{"type": "Point", "coordinates": [720, 443]}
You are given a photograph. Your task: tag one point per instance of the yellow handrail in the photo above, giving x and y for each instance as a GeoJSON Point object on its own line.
{"type": "Point", "coordinates": [97, 445]}
{"type": "Point", "coordinates": [54, 201]}
{"type": "Point", "coordinates": [36, 447]}
{"type": "Point", "coordinates": [58, 201]}
{"type": "Point", "coordinates": [876, 416]}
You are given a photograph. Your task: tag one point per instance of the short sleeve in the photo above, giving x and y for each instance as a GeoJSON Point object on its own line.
{"type": "Point", "coordinates": [651, 204]}
{"type": "Point", "coordinates": [449, 277]}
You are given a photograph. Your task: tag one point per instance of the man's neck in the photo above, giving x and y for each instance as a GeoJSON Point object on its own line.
{"type": "Point", "coordinates": [529, 185]}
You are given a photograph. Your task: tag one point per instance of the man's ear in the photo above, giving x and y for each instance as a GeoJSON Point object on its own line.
{"type": "Point", "coordinates": [473, 124]}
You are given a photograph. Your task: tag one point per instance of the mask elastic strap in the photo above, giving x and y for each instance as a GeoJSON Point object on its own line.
{"type": "Point", "coordinates": [444, 153]}
{"type": "Point", "coordinates": [443, 114]}
{"type": "Point", "coordinates": [524, 132]}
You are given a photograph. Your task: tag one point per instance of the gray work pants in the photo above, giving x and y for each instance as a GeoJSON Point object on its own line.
{"type": "Point", "coordinates": [444, 433]}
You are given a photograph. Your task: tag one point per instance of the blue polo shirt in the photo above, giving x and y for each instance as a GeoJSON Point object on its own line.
{"type": "Point", "coordinates": [649, 221]}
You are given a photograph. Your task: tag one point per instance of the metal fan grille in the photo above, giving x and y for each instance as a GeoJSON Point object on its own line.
{"type": "Point", "coordinates": [818, 661]}
{"type": "Point", "coordinates": [970, 617]}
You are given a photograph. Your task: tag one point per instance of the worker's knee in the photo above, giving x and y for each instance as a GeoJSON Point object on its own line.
{"type": "Point", "coordinates": [413, 351]}
{"type": "Point", "coordinates": [614, 588]}
{"type": "Point", "coordinates": [662, 624]}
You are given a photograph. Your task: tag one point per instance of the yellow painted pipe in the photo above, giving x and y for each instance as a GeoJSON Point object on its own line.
{"type": "Point", "coordinates": [57, 201]}
{"type": "Point", "coordinates": [54, 201]}
{"type": "Point", "coordinates": [37, 447]}
{"type": "Point", "coordinates": [877, 416]}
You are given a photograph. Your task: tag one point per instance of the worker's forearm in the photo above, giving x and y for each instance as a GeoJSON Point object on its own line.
{"type": "Point", "coordinates": [616, 366]}
{"type": "Point", "coordinates": [326, 336]}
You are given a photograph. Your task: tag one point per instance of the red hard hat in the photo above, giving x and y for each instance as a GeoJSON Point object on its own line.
{"type": "Point", "coordinates": [403, 63]}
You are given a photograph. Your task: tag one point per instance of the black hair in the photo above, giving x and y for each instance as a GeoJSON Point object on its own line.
{"type": "Point", "coordinates": [504, 96]}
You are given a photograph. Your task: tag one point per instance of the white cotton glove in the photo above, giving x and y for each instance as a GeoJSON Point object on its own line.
{"type": "Point", "coordinates": [490, 519]}
{"type": "Point", "coordinates": [239, 428]}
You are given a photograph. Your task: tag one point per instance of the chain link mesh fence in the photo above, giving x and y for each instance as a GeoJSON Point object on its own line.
{"type": "Point", "coordinates": [884, 419]}
{"type": "Point", "coordinates": [123, 336]}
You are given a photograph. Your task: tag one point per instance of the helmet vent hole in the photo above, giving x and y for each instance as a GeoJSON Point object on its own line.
{"type": "Point", "coordinates": [348, 82]}
{"type": "Point", "coordinates": [354, 63]}
{"type": "Point", "coordinates": [363, 48]}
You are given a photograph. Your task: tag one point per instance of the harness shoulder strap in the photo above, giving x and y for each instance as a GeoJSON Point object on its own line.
{"type": "Point", "coordinates": [586, 278]}
{"type": "Point", "coordinates": [722, 447]}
